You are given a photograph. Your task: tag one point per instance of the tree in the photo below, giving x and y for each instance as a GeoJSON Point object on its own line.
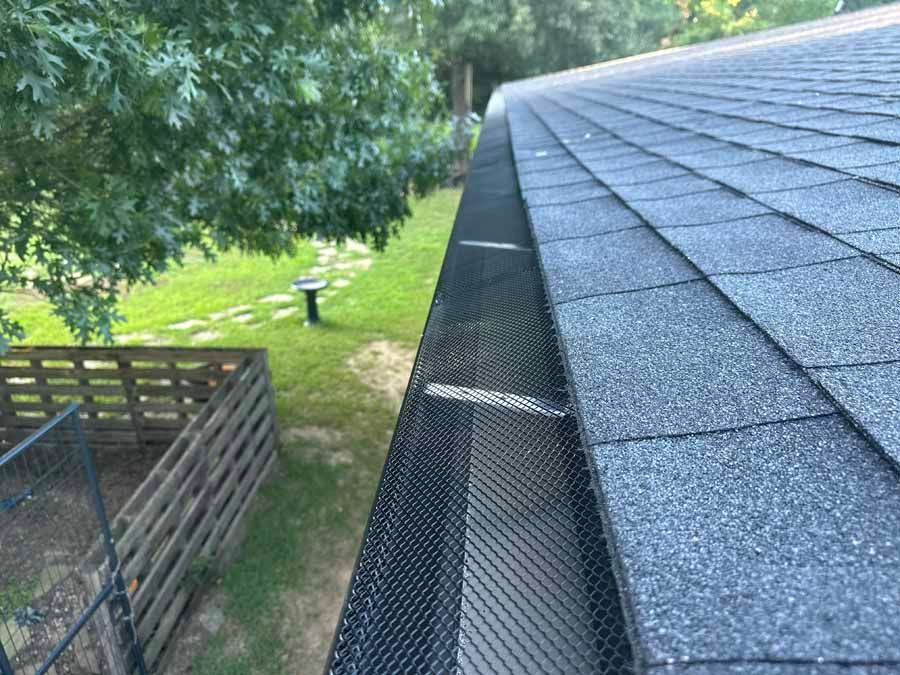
{"type": "Point", "coordinates": [135, 130]}
{"type": "Point", "coordinates": [710, 19]}
{"type": "Point", "coordinates": [511, 39]}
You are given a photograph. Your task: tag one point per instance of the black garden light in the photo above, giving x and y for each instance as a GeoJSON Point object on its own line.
{"type": "Point", "coordinates": [310, 285]}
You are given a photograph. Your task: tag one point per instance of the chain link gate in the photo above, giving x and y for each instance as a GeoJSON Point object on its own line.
{"type": "Point", "coordinates": [57, 613]}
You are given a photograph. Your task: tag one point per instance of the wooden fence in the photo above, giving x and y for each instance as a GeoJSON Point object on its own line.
{"type": "Point", "coordinates": [130, 397]}
{"type": "Point", "coordinates": [215, 410]}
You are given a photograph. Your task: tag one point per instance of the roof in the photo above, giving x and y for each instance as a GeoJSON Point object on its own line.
{"type": "Point", "coordinates": [719, 231]}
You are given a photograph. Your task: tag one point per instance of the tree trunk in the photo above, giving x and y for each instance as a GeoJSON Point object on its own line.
{"type": "Point", "coordinates": [461, 87]}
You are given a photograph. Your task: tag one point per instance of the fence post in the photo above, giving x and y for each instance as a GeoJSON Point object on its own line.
{"type": "Point", "coordinates": [5, 668]}
{"type": "Point", "coordinates": [121, 593]}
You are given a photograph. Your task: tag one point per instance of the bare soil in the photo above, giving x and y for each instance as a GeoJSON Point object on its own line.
{"type": "Point", "coordinates": [384, 367]}
{"type": "Point", "coordinates": [46, 538]}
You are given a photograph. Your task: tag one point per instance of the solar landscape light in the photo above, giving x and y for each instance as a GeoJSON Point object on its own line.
{"type": "Point", "coordinates": [310, 285]}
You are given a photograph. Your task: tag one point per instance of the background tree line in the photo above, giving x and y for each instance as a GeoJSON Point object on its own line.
{"type": "Point", "coordinates": [503, 40]}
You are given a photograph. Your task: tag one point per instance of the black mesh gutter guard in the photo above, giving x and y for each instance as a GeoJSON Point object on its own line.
{"type": "Point", "coordinates": [485, 551]}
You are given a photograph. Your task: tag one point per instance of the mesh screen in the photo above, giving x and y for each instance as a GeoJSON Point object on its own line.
{"type": "Point", "coordinates": [485, 551]}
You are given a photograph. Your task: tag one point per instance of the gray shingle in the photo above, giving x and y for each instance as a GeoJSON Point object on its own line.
{"type": "Point", "coordinates": [675, 360]}
{"type": "Point", "coordinates": [728, 155]}
{"type": "Point", "coordinates": [770, 540]}
{"type": "Point", "coordinates": [871, 394]}
{"type": "Point", "coordinates": [611, 263]}
{"type": "Point", "coordinates": [878, 241]}
{"type": "Point", "coordinates": [603, 164]}
{"type": "Point", "coordinates": [839, 207]}
{"type": "Point", "coordinates": [833, 313]}
{"type": "Point", "coordinates": [806, 143]}
{"type": "Point", "coordinates": [653, 170]}
{"type": "Point", "coordinates": [557, 177]}
{"type": "Point", "coordinates": [753, 245]}
{"type": "Point", "coordinates": [855, 154]}
{"type": "Point", "coordinates": [886, 131]}
{"type": "Point", "coordinates": [581, 218]}
{"type": "Point", "coordinates": [686, 149]}
{"type": "Point", "coordinates": [664, 189]}
{"type": "Point", "coordinates": [772, 174]}
{"type": "Point", "coordinates": [572, 193]}
{"type": "Point", "coordinates": [813, 667]}
{"type": "Point", "coordinates": [703, 208]}
{"type": "Point", "coordinates": [886, 173]}
{"type": "Point", "coordinates": [547, 164]}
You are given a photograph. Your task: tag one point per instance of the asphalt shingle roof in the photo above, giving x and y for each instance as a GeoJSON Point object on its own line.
{"type": "Point", "coordinates": [719, 229]}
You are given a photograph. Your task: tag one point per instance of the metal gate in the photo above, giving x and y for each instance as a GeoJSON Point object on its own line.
{"type": "Point", "coordinates": [57, 613]}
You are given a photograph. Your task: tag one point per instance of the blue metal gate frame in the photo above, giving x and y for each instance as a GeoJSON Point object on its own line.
{"type": "Point", "coordinates": [115, 586]}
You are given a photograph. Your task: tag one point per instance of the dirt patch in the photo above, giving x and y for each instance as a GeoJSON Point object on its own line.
{"type": "Point", "coordinates": [317, 435]}
{"type": "Point", "coordinates": [47, 529]}
{"type": "Point", "coordinates": [205, 620]}
{"type": "Point", "coordinates": [384, 367]}
{"type": "Point", "coordinates": [319, 444]}
{"type": "Point", "coordinates": [312, 614]}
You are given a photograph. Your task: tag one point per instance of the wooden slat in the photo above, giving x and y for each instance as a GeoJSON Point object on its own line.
{"type": "Point", "coordinates": [198, 374]}
{"type": "Point", "coordinates": [131, 411]}
{"type": "Point", "coordinates": [133, 353]}
{"type": "Point", "coordinates": [75, 390]}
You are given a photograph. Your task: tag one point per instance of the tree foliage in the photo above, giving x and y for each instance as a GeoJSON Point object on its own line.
{"type": "Point", "coordinates": [135, 130]}
{"type": "Point", "coordinates": [512, 39]}
{"type": "Point", "coordinates": [710, 19]}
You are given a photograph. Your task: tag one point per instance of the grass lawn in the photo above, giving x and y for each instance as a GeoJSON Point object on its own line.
{"type": "Point", "coordinates": [336, 386]}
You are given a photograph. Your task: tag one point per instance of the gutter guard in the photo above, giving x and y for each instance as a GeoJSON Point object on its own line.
{"type": "Point", "coordinates": [485, 550]}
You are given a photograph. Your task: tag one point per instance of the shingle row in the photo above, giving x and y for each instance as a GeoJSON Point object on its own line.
{"type": "Point", "coordinates": [732, 277]}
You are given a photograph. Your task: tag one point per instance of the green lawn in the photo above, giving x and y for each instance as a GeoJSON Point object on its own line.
{"type": "Point", "coordinates": [281, 595]}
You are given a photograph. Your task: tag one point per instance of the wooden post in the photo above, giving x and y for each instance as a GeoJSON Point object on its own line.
{"type": "Point", "coordinates": [462, 80]}
{"type": "Point", "coordinates": [137, 419]}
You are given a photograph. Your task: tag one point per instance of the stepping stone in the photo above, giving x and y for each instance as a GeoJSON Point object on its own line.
{"type": "Point", "coordinates": [356, 247]}
{"type": "Point", "coordinates": [243, 318]}
{"type": "Point", "coordinates": [187, 325]}
{"type": "Point", "coordinates": [319, 271]}
{"type": "Point", "coordinates": [218, 316]}
{"type": "Point", "coordinates": [278, 298]}
{"type": "Point", "coordinates": [363, 264]}
{"type": "Point", "coordinates": [340, 283]}
{"type": "Point", "coordinates": [240, 309]}
{"type": "Point", "coordinates": [285, 312]}
{"type": "Point", "coordinates": [343, 266]}
{"type": "Point", "coordinates": [135, 337]}
{"type": "Point", "coordinates": [205, 336]}
{"type": "Point", "coordinates": [327, 252]}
